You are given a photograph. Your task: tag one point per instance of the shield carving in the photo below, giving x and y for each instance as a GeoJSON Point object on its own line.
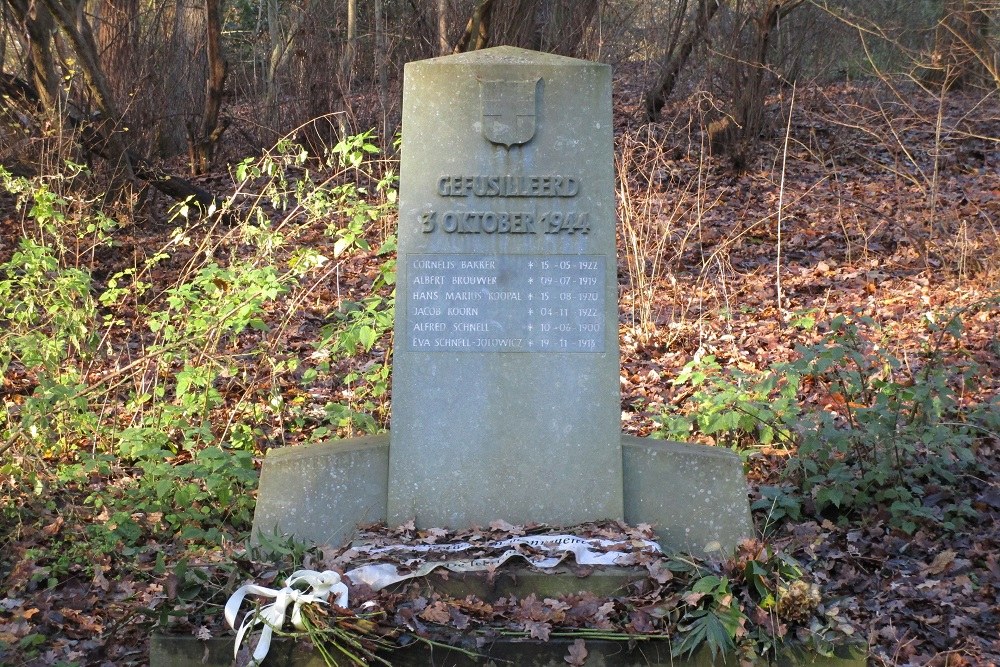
{"type": "Point", "coordinates": [509, 111]}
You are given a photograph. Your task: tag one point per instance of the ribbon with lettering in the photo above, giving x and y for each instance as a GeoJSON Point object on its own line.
{"type": "Point", "coordinates": [547, 551]}
{"type": "Point", "coordinates": [272, 616]}
{"type": "Point", "coordinates": [553, 550]}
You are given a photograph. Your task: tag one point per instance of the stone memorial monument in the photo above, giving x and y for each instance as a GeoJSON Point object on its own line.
{"type": "Point", "coordinates": [505, 370]}
{"type": "Point", "coordinates": [505, 388]}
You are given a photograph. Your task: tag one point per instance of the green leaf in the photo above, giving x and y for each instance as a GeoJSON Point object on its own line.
{"type": "Point", "coordinates": [710, 584]}
{"type": "Point", "coordinates": [831, 496]}
{"type": "Point", "coordinates": [704, 627]}
{"type": "Point", "coordinates": [340, 246]}
{"type": "Point", "coordinates": [367, 337]}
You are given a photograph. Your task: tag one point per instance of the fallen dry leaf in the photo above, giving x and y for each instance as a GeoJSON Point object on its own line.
{"type": "Point", "coordinates": [577, 655]}
{"type": "Point", "coordinates": [436, 612]}
{"type": "Point", "coordinates": [538, 629]}
{"type": "Point", "coordinates": [941, 563]}
{"type": "Point", "coordinates": [54, 527]}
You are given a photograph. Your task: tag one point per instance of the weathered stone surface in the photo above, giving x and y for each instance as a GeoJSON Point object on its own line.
{"type": "Point", "coordinates": [506, 164]}
{"type": "Point", "coordinates": [175, 651]}
{"type": "Point", "coordinates": [694, 496]}
{"type": "Point", "coordinates": [321, 492]}
{"type": "Point", "coordinates": [521, 581]}
{"type": "Point", "coordinates": [188, 651]}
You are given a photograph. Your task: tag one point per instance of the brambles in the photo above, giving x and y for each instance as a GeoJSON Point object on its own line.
{"type": "Point", "coordinates": [167, 377]}
{"type": "Point", "coordinates": [875, 438]}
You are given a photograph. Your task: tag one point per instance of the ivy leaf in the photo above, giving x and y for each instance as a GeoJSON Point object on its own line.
{"type": "Point", "coordinates": [830, 495]}
{"type": "Point", "coordinates": [710, 584]}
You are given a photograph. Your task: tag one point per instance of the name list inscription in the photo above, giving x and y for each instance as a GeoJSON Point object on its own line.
{"type": "Point", "coordinates": [505, 303]}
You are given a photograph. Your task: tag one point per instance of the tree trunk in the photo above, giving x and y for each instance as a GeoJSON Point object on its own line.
{"type": "Point", "coordinates": [553, 26]}
{"type": "Point", "coordinates": [657, 96]}
{"type": "Point", "coordinates": [203, 139]}
{"type": "Point", "coordinates": [4, 21]}
{"type": "Point", "coordinates": [94, 139]}
{"type": "Point", "coordinates": [750, 106]}
{"type": "Point", "coordinates": [283, 42]}
{"type": "Point", "coordinates": [185, 66]}
{"type": "Point", "coordinates": [350, 43]}
{"type": "Point", "coordinates": [104, 136]}
{"type": "Point", "coordinates": [77, 31]}
{"type": "Point", "coordinates": [738, 134]}
{"type": "Point", "coordinates": [442, 27]}
{"type": "Point", "coordinates": [963, 55]}
{"type": "Point", "coordinates": [561, 26]}
{"type": "Point", "coordinates": [345, 69]}
{"type": "Point", "coordinates": [116, 28]}
{"type": "Point", "coordinates": [477, 30]}
{"type": "Point", "coordinates": [382, 64]}
{"type": "Point", "coordinates": [276, 55]}
{"type": "Point", "coordinates": [38, 27]}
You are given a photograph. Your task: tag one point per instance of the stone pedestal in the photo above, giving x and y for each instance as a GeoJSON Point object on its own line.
{"type": "Point", "coordinates": [321, 493]}
{"type": "Point", "coordinates": [505, 382]}
{"type": "Point", "coordinates": [505, 391]}
{"type": "Point", "coordinates": [694, 496]}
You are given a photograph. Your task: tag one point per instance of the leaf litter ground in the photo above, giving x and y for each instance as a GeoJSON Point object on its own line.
{"type": "Point", "coordinates": [864, 227]}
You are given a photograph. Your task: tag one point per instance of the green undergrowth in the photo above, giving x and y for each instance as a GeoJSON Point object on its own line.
{"type": "Point", "coordinates": [139, 393]}
{"type": "Point", "coordinates": [867, 433]}
{"type": "Point", "coordinates": [137, 399]}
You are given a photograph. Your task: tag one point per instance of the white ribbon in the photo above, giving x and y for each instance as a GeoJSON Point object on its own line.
{"type": "Point", "coordinates": [552, 549]}
{"type": "Point", "coordinates": [272, 616]}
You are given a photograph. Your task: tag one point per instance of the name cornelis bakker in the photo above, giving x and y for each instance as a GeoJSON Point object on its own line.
{"type": "Point", "coordinates": [487, 221]}
{"type": "Point", "coordinates": [549, 320]}
{"type": "Point", "coordinates": [506, 222]}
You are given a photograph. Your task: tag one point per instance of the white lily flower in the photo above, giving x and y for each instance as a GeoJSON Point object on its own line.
{"type": "Point", "coordinates": [323, 584]}
{"type": "Point", "coordinates": [272, 616]}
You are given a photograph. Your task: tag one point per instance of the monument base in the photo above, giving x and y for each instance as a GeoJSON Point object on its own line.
{"type": "Point", "coordinates": [187, 651]}
{"type": "Point", "coordinates": [693, 496]}
{"type": "Point", "coordinates": [520, 581]}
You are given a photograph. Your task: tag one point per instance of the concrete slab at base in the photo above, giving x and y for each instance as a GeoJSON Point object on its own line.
{"type": "Point", "coordinates": [694, 496]}
{"type": "Point", "coordinates": [321, 492]}
{"type": "Point", "coordinates": [520, 581]}
{"type": "Point", "coordinates": [187, 651]}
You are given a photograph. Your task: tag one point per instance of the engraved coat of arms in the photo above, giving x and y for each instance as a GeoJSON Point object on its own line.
{"type": "Point", "coordinates": [509, 111]}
